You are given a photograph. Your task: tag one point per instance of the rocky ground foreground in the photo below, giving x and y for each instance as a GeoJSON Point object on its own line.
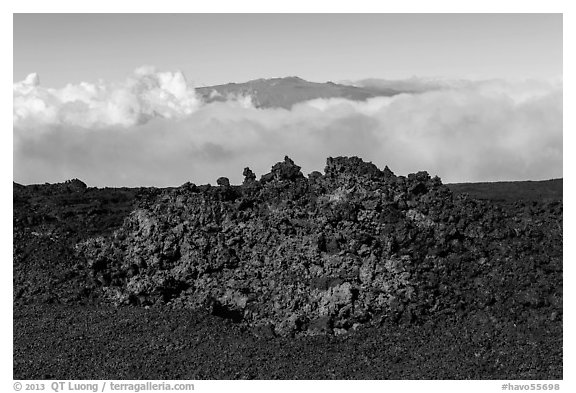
{"type": "Point", "coordinates": [353, 273]}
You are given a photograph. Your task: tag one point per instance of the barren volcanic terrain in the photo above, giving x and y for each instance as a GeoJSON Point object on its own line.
{"type": "Point", "coordinates": [285, 92]}
{"type": "Point", "coordinates": [354, 273]}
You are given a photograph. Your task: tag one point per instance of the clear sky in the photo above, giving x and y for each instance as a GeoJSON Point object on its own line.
{"type": "Point", "coordinates": [220, 48]}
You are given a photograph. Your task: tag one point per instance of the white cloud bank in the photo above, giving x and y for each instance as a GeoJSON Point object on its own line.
{"type": "Point", "coordinates": [145, 95]}
{"type": "Point", "coordinates": [153, 130]}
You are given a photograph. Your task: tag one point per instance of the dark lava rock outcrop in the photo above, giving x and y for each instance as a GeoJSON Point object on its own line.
{"type": "Point", "coordinates": [327, 253]}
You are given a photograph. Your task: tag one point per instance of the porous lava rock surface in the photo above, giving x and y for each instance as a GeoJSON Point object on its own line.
{"type": "Point", "coordinates": [329, 253]}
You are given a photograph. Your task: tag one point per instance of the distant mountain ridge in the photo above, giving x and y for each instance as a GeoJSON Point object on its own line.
{"type": "Point", "coordinates": [288, 91]}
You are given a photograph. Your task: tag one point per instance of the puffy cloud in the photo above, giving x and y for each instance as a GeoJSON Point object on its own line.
{"type": "Point", "coordinates": [145, 95]}
{"type": "Point", "coordinates": [152, 130]}
{"type": "Point", "coordinates": [518, 89]}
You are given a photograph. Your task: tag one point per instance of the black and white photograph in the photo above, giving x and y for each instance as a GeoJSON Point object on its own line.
{"type": "Point", "coordinates": [287, 196]}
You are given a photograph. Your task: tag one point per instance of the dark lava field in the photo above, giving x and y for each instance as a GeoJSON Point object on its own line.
{"type": "Point", "coordinates": [354, 273]}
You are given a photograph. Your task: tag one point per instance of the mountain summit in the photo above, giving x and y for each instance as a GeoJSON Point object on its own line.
{"type": "Point", "coordinates": [287, 91]}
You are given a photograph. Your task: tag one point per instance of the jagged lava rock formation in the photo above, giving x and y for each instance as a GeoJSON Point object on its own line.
{"type": "Point", "coordinates": [290, 255]}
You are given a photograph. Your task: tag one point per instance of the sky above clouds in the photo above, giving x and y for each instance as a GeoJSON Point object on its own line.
{"type": "Point", "coordinates": [110, 98]}
{"type": "Point", "coordinates": [220, 48]}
